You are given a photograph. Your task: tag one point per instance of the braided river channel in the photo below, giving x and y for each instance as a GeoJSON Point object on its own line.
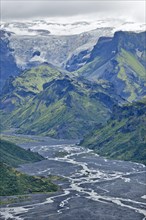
{"type": "Point", "coordinates": [91, 187]}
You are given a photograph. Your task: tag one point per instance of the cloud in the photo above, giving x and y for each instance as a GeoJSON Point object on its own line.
{"type": "Point", "coordinates": [18, 9]}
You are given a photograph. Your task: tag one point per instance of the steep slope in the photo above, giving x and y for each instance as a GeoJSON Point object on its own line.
{"type": "Point", "coordinates": [45, 100]}
{"type": "Point", "coordinates": [14, 155]}
{"type": "Point", "coordinates": [124, 135]}
{"type": "Point", "coordinates": [120, 60]}
{"type": "Point", "coordinates": [17, 91]}
{"type": "Point", "coordinates": [30, 48]}
{"type": "Point", "coordinates": [63, 107]}
{"type": "Point", "coordinates": [8, 64]}
{"type": "Point", "coordinates": [68, 45]}
{"type": "Point", "coordinates": [13, 182]}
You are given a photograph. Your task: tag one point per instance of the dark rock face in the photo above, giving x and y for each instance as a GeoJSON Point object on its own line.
{"type": "Point", "coordinates": [121, 61]}
{"type": "Point", "coordinates": [60, 86]}
{"type": "Point", "coordinates": [76, 61]}
{"type": "Point", "coordinates": [8, 65]}
{"type": "Point", "coordinates": [134, 110]}
{"type": "Point", "coordinates": [108, 47]}
{"type": "Point", "coordinates": [102, 48]}
{"type": "Point", "coordinates": [8, 86]}
{"type": "Point", "coordinates": [130, 41]}
{"type": "Point", "coordinates": [78, 101]}
{"type": "Point", "coordinates": [107, 100]}
{"type": "Point", "coordinates": [36, 53]}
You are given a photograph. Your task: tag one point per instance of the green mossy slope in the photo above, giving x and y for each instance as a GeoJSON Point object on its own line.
{"type": "Point", "coordinates": [13, 182]}
{"type": "Point", "coordinates": [14, 155]}
{"type": "Point", "coordinates": [124, 136]}
{"type": "Point", "coordinates": [120, 60]}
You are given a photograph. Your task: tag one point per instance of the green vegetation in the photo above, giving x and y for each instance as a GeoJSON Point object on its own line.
{"type": "Point", "coordinates": [20, 90]}
{"type": "Point", "coordinates": [14, 155]}
{"type": "Point", "coordinates": [33, 79]}
{"type": "Point", "coordinates": [66, 108]}
{"type": "Point", "coordinates": [13, 182]}
{"type": "Point", "coordinates": [46, 102]}
{"type": "Point", "coordinates": [17, 139]}
{"type": "Point", "coordinates": [121, 61]}
{"type": "Point", "coordinates": [61, 120]}
{"type": "Point", "coordinates": [14, 199]}
{"type": "Point", "coordinates": [131, 61]}
{"type": "Point", "coordinates": [127, 61]}
{"type": "Point", "coordinates": [124, 136]}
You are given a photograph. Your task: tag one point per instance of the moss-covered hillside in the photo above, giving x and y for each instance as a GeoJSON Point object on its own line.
{"type": "Point", "coordinates": [52, 102]}
{"type": "Point", "coordinates": [65, 108]}
{"type": "Point", "coordinates": [120, 60]}
{"type": "Point", "coordinates": [124, 135]}
{"type": "Point", "coordinates": [13, 182]}
{"type": "Point", "coordinates": [14, 155]}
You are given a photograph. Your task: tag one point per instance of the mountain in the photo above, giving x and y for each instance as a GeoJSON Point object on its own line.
{"type": "Point", "coordinates": [8, 65]}
{"type": "Point", "coordinates": [50, 101]}
{"type": "Point", "coordinates": [66, 44]}
{"type": "Point", "coordinates": [120, 60]}
{"type": "Point", "coordinates": [124, 135]}
{"type": "Point", "coordinates": [14, 155]}
{"type": "Point", "coordinates": [27, 51]}
{"type": "Point", "coordinates": [17, 91]}
{"type": "Point", "coordinates": [13, 182]}
{"type": "Point", "coordinates": [47, 102]}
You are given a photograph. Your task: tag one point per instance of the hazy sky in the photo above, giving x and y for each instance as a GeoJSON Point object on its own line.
{"type": "Point", "coordinates": [28, 9]}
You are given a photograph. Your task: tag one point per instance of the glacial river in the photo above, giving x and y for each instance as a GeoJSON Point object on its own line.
{"type": "Point", "coordinates": [93, 187]}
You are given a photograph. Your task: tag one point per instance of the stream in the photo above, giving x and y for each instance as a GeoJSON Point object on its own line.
{"type": "Point", "coordinates": [92, 187]}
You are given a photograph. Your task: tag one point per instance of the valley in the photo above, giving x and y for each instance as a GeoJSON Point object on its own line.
{"type": "Point", "coordinates": [73, 116]}
{"type": "Point", "coordinates": [92, 186]}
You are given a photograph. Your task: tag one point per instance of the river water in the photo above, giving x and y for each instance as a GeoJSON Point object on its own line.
{"type": "Point", "coordinates": [92, 188]}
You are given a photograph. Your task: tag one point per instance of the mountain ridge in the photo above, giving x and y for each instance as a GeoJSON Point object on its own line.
{"type": "Point", "coordinates": [121, 61]}
{"type": "Point", "coordinates": [47, 101]}
{"type": "Point", "coordinates": [13, 182]}
{"type": "Point", "coordinates": [59, 106]}
{"type": "Point", "coordinates": [27, 42]}
{"type": "Point", "coordinates": [124, 135]}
